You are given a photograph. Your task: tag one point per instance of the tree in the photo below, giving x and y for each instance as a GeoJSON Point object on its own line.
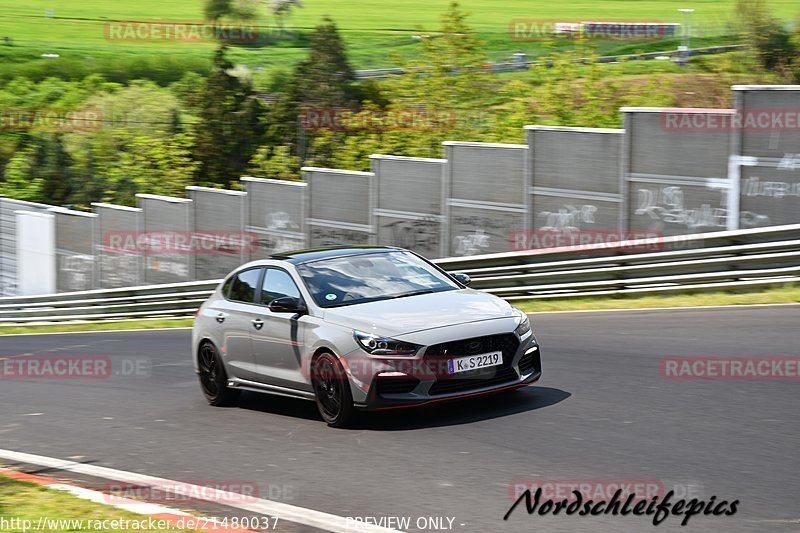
{"type": "Point", "coordinates": [155, 165]}
{"type": "Point", "coordinates": [18, 182]}
{"type": "Point", "coordinates": [143, 145]}
{"type": "Point", "coordinates": [189, 90]}
{"type": "Point", "coordinates": [448, 72]}
{"type": "Point", "coordinates": [275, 163]}
{"type": "Point", "coordinates": [53, 167]}
{"type": "Point", "coordinates": [216, 9]}
{"type": "Point", "coordinates": [775, 46]}
{"type": "Point", "coordinates": [282, 9]}
{"type": "Point", "coordinates": [324, 81]}
{"type": "Point", "coordinates": [41, 171]}
{"type": "Point", "coordinates": [229, 127]}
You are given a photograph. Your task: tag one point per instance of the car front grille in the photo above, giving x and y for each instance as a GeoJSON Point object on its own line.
{"type": "Point", "coordinates": [474, 379]}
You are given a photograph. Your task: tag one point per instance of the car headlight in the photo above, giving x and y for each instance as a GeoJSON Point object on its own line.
{"type": "Point", "coordinates": [376, 345]}
{"type": "Point", "coordinates": [524, 325]}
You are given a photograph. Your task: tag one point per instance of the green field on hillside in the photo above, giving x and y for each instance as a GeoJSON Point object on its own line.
{"type": "Point", "coordinates": [375, 30]}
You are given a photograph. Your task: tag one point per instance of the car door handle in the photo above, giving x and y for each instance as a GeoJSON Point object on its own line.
{"type": "Point", "coordinates": [221, 317]}
{"type": "Point", "coordinates": [258, 323]}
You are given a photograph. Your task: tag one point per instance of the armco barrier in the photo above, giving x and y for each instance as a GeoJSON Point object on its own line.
{"type": "Point", "coordinates": [727, 260]}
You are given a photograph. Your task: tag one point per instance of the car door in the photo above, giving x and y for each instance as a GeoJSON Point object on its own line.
{"type": "Point", "coordinates": [235, 314]}
{"type": "Point", "coordinates": [278, 344]}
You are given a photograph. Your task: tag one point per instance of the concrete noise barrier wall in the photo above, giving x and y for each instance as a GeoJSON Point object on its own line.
{"type": "Point", "coordinates": [35, 252]}
{"type": "Point", "coordinates": [340, 207]}
{"type": "Point", "coordinates": [409, 203]}
{"type": "Point", "coordinates": [676, 170]}
{"type": "Point", "coordinates": [75, 249]}
{"type": "Point", "coordinates": [219, 217]}
{"type": "Point", "coordinates": [576, 181]}
{"type": "Point", "coordinates": [167, 227]}
{"type": "Point", "coordinates": [276, 215]}
{"type": "Point", "coordinates": [8, 240]}
{"type": "Point", "coordinates": [119, 261]}
{"type": "Point", "coordinates": [486, 196]}
{"type": "Point", "coordinates": [767, 154]}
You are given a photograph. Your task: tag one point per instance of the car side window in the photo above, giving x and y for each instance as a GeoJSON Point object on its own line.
{"type": "Point", "coordinates": [277, 284]}
{"type": "Point", "coordinates": [243, 288]}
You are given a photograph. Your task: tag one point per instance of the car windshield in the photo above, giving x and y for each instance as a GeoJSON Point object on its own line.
{"type": "Point", "coordinates": [371, 277]}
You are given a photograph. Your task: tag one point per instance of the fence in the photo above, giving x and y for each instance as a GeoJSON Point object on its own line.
{"type": "Point", "coordinates": [669, 172]}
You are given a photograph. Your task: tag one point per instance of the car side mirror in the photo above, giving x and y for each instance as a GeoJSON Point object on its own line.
{"type": "Point", "coordinates": [288, 304]}
{"type": "Point", "coordinates": [462, 278]}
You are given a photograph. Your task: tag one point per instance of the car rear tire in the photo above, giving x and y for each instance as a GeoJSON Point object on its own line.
{"type": "Point", "coordinates": [332, 391]}
{"type": "Point", "coordinates": [213, 378]}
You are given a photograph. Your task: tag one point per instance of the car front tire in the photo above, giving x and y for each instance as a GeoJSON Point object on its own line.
{"type": "Point", "coordinates": [332, 391]}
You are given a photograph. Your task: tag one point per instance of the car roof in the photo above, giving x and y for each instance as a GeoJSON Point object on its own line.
{"type": "Point", "coordinates": [316, 254]}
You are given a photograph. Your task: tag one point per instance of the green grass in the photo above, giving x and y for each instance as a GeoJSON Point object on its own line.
{"type": "Point", "coordinates": [790, 294]}
{"type": "Point", "coordinates": [27, 501]}
{"type": "Point", "coordinates": [99, 326]}
{"type": "Point", "coordinates": [375, 30]}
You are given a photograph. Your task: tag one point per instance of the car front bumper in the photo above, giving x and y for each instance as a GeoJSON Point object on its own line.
{"type": "Point", "coordinates": [395, 387]}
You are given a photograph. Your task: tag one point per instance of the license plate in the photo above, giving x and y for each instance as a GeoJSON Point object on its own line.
{"type": "Point", "coordinates": [474, 362]}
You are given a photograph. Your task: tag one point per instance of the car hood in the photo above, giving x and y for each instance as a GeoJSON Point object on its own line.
{"type": "Point", "coordinates": [418, 313]}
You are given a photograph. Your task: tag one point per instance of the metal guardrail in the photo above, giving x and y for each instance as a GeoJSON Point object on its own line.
{"type": "Point", "coordinates": [721, 261]}
{"type": "Point", "coordinates": [173, 300]}
{"type": "Point", "coordinates": [511, 66]}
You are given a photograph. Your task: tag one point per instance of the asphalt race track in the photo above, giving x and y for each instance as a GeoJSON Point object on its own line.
{"type": "Point", "coordinates": [602, 411]}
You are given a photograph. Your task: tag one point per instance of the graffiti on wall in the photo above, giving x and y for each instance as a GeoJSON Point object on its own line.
{"type": "Point", "coordinates": [476, 234]}
{"type": "Point", "coordinates": [789, 162]}
{"type": "Point", "coordinates": [119, 270]}
{"type": "Point", "coordinates": [666, 206]}
{"type": "Point", "coordinates": [568, 217]}
{"type": "Point", "coordinates": [471, 243]}
{"type": "Point", "coordinates": [328, 236]}
{"type": "Point", "coordinates": [754, 187]}
{"type": "Point", "coordinates": [280, 234]}
{"type": "Point", "coordinates": [417, 234]}
{"type": "Point", "coordinates": [76, 272]}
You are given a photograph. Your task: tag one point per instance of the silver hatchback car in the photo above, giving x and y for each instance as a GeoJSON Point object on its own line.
{"type": "Point", "coordinates": [358, 328]}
